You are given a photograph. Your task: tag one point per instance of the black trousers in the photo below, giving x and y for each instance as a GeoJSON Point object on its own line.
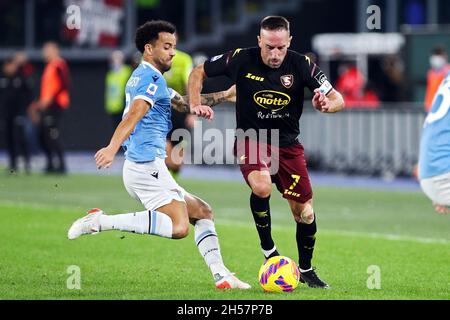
{"type": "Point", "coordinates": [50, 138]}
{"type": "Point", "coordinates": [17, 143]}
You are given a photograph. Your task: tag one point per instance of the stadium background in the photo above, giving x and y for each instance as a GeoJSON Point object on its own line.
{"type": "Point", "coordinates": [213, 27]}
{"type": "Point", "coordinates": [362, 159]}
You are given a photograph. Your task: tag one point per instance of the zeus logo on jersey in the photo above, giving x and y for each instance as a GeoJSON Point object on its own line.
{"type": "Point", "coordinates": [253, 77]}
{"type": "Point", "coordinates": [151, 90]}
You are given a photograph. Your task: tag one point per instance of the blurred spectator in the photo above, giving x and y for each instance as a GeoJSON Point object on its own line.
{"type": "Point", "coordinates": [15, 97]}
{"type": "Point", "coordinates": [350, 82]}
{"type": "Point", "coordinates": [136, 59]}
{"type": "Point", "coordinates": [115, 82]}
{"type": "Point", "coordinates": [352, 85]}
{"type": "Point", "coordinates": [439, 69]}
{"type": "Point", "coordinates": [198, 58]}
{"type": "Point", "coordinates": [25, 67]}
{"type": "Point", "coordinates": [49, 109]}
{"type": "Point", "coordinates": [177, 79]}
{"type": "Point", "coordinates": [369, 98]}
{"type": "Point", "coordinates": [27, 70]}
{"type": "Point", "coordinates": [392, 84]}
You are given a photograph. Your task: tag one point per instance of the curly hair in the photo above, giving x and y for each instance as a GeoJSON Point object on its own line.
{"type": "Point", "coordinates": [149, 32]}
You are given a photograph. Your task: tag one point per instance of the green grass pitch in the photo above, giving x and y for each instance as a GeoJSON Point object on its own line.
{"type": "Point", "coordinates": [397, 231]}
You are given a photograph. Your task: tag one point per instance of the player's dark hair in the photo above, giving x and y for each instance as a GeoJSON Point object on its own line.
{"type": "Point", "coordinates": [149, 32]}
{"type": "Point", "coordinates": [439, 50]}
{"type": "Point", "coordinates": [274, 23]}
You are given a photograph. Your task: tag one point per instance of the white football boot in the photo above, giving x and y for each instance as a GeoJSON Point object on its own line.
{"type": "Point", "coordinates": [230, 281]}
{"type": "Point", "coordinates": [89, 224]}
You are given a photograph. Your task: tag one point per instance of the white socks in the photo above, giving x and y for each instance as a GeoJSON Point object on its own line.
{"type": "Point", "coordinates": [151, 222]}
{"type": "Point", "coordinates": [160, 224]}
{"type": "Point", "coordinates": [208, 245]}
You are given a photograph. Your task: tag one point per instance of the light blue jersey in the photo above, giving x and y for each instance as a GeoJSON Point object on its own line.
{"type": "Point", "coordinates": [434, 157]}
{"type": "Point", "coordinates": [148, 140]}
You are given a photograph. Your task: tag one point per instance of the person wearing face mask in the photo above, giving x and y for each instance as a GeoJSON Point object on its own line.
{"type": "Point", "coordinates": [439, 69]}
{"type": "Point", "coordinates": [115, 82]}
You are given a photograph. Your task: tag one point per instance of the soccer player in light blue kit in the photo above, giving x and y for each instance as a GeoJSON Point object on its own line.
{"type": "Point", "coordinates": [434, 160]}
{"type": "Point", "coordinates": [142, 132]}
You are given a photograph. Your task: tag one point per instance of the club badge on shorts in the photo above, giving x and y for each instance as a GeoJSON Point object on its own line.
{"type": "Point", "coordinates": [287, 80]}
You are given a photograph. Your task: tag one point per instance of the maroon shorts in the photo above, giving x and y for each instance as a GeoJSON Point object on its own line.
{"type": "Point", "coordinates": [286, 165]}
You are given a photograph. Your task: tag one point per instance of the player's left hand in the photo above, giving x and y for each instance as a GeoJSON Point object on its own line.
{"type": "Point", "coordinates": [320, 101]}
{"type": "Point", "coordinates": [33, 113]}
{"type": "Point", "coordinates": [104, 157]}
{"type": "Point", "coordinates": [203, 111]}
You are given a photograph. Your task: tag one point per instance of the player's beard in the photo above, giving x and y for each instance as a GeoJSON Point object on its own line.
{"type": "Point", "coordinates": [165, 65]}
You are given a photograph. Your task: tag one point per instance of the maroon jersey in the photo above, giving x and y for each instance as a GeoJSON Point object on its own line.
{"type": "Point", "coordinates": [269, 98]}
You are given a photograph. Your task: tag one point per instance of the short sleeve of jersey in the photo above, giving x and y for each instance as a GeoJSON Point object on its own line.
{"type": "Point", "coordinates": [226, 64]}
{"type": "Point", "coordinates": [150, 90]}
{"type": "Point", "coordinates": [314, 77]}
{"type": "Point", "coordinates": [172, 93]}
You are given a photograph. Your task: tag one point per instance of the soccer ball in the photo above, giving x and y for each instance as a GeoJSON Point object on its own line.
{"type": "Point", "coordinates": [279, 274]}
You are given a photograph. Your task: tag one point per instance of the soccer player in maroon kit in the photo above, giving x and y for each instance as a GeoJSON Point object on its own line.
{"type": "Point", "coordinates": [270, 82]}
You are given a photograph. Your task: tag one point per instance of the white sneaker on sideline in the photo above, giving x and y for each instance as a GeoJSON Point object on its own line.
{"type": "Point", "coordinates": [89, 224]}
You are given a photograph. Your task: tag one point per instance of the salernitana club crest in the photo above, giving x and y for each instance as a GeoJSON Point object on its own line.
{"type": "Point", "coordinates": [287, 80]}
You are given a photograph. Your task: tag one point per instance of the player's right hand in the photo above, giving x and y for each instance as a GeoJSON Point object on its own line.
{"type": "Point", "coordinates": [320, 101]}
{"type": "Point", "coordinates": [104, 157]}
{"type": "Point", "coordinates": [203, 111]}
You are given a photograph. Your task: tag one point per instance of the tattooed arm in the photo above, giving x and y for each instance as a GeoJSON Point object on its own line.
{"type": "Point", "coordinates": [180, 103]}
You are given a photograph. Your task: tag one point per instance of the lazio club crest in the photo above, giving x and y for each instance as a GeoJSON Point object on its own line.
{"type": "Point", "coordinates": [287, 80]}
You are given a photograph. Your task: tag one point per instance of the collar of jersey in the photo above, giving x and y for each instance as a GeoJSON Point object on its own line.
{"type": "Point", "coordinates": [151, 66]}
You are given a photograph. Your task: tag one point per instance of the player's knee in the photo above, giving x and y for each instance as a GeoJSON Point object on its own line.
{"type": "Point", "coordinates": [205, 212]}
{"type": "Point", "coordinates": [262, 189]}
{"type": "Point", "coordinates": [304, 213]}
{"type": "Point", "coordinates": [180, 230]}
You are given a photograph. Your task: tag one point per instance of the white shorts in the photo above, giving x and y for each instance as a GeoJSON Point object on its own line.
{"type": "Point", "coordinates": [151, 183]}
{"type": "Point", "coordinates": [437, 189]}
